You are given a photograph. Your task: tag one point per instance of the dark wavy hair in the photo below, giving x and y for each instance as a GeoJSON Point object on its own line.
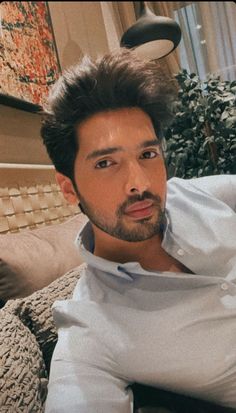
{"type": "Point", "coordinates": [117, 80]}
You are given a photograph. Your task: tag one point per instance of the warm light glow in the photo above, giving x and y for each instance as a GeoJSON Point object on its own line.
{"type": "Point", "coordinates": [155, 49]}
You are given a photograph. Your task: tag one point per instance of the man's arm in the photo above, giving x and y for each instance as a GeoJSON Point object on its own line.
{"type": "Point", "coordinates": [82, 377]}
{"type": "Point", "coordinates": [80, 388]}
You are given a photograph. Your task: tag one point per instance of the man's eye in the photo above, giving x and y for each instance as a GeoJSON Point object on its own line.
{"type": "Point", "coordinates": [149, 154]}
{"type": "Point", "coordinates": [103, 164]}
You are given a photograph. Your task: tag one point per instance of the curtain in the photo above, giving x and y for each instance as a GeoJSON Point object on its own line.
{"type": "Point", "coordinates": [208, 37]}
{"type": "Point", "coordinates": [219, 28]}
{"type": "Point", "coordinates": [118, 17]}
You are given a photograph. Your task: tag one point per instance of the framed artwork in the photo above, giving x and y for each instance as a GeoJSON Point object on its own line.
{"type": "Point", "coordinates": [29, 63]}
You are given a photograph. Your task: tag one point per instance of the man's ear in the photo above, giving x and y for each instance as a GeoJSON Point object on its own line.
{"type": "Point", "coordinates": [67, 188]}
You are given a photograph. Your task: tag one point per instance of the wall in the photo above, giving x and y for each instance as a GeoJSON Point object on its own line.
{"type": "Point", "coordinates": [79, 29]}
{"type": "Point", "coordinates": [20, 140]}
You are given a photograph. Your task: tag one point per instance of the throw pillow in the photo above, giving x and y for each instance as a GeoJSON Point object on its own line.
{"type": "Point", "coordinates": [32, 259]}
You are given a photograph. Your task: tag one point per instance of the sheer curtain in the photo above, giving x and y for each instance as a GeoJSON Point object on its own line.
{"type": "Point", "coordinates": [219, 27]}
{"type": "Point", "coordinates": [208, 42]}
{"type": "Point", "coordinates": [209, 37]}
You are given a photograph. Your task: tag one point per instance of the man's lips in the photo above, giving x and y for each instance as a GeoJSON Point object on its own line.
{"type": "Point", "coordinates": [138, 206]}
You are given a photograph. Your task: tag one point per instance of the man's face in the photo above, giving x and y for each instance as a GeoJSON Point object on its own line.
{"type": "Point", "coordinates": [120, 174]}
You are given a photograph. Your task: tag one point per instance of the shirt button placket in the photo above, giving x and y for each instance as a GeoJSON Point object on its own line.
{"type": "Point", "coordinates": [224, 286]}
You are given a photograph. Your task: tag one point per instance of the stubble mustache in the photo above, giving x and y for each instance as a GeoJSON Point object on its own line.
{"type": "Point", "coordinates": [137, 198]}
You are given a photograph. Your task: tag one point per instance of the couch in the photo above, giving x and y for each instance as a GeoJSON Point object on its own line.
{"type": "Point", "coordinates": [32, 209]}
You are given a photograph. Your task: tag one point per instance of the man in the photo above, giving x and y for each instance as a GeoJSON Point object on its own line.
{"type": "Point", "coordinates": [157, 302]}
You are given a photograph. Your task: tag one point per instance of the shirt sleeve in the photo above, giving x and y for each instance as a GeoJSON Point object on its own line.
{"type": "Point", "coordinates": [222, 187]}
{"type": "Point", "coordinates": [82, 375]}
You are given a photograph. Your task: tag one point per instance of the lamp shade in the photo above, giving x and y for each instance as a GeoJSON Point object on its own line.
{"type": "Point", "coordinates": [152, 36]}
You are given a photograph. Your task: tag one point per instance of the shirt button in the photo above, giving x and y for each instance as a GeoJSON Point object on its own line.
{"type": "Point", "coordinates": [180, 252]}
{"type": "Point", "coordinates": [224, 286]}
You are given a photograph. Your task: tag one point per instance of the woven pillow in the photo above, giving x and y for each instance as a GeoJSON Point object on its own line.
{"type": "Point", "coordinates": [27, 340]}
{"type": "Point", "coordinates": [32, 259]}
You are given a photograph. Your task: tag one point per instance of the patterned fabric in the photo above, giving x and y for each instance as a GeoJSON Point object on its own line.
{"type": "Point", "coordinates": [23, 378]}
{"type": "Point", "coordinates": [27, 340]}
{"type": "Point", "coordinates": [31, 198]}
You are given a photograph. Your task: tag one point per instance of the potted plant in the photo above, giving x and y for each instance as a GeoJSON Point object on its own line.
{"type": "Point", "coordinates": [202, 138]}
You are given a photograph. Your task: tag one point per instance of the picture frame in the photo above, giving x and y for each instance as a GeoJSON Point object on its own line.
{"type": "Point", "coordinates": [29, 62]}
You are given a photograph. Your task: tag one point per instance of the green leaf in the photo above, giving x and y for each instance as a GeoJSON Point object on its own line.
{"type": "Point", "coordinates": [230, 122]}
{"type": "Point", "coordinates": [199, 101]}
{"type": "Point", "coordinates": [228, 98]}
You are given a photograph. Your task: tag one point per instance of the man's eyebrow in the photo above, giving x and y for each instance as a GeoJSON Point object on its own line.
{"type": "Point", "coordinates": [113, 149]}
{"type": "Point", "coordinates": [102, 152]}
{"type": "Point", "coordinates": [150, 142]}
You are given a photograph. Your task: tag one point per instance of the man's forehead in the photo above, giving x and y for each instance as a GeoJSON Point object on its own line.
{"type": "Point", "coordinates": [127, 126]}
{"type": "Point", "coordinates": [116, 117]}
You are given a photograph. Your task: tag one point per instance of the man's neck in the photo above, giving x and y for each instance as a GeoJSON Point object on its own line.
{"type": "Point", "coordinates": [149, 253]}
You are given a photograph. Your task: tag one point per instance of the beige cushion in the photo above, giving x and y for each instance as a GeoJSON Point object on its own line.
{"type": "Point", "coordinates": [27, 340]}
{"type": "Point", "coordinates": [30, 260]}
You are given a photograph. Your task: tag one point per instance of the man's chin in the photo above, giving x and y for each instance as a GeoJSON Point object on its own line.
{"type": "Point", "coordinates": [132, 237]}
{"type": "Point", "coordinates": [136, 233]}
{"type": "Point", "coordinates": [131, 230]}
{"type": "Point", "coordinates": [141, 229]}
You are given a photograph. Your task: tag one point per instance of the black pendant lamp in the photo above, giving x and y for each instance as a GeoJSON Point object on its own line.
{"type": "Point", "coordinates": [152, 36]}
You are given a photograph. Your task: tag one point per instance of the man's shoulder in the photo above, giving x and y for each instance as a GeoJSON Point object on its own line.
{"type": "Point", "coordinates": [211, 184]}
{"type": "Point", "coordinates": [220, 187]}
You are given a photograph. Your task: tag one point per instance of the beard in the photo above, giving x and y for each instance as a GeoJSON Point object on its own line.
{"type": "Point", "coordinates": [138, 230]}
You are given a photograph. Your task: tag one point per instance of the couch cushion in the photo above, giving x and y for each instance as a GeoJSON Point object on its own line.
{"type": "Point", "coordinates": [27, 340]}
{"type": "Point", "coordinates": [23, 377]}
{"type": "Point", "coordinates": [32, 259]}
{"type": "Point", "coordinates": [35, 311]}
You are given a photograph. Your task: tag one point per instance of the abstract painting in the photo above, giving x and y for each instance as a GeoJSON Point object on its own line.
{"type": "Point", "coordinates": [29, 63]}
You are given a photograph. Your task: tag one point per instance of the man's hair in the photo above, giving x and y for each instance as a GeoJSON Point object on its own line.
{"type": "Point", "coordinates": [117, 80]}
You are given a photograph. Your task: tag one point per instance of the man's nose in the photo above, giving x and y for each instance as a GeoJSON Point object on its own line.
{"type": "Point", "coordinates": [137, 180]}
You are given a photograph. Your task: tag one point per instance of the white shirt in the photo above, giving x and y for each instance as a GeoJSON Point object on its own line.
{"type": "Point", "coordinates": [174, 331]}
